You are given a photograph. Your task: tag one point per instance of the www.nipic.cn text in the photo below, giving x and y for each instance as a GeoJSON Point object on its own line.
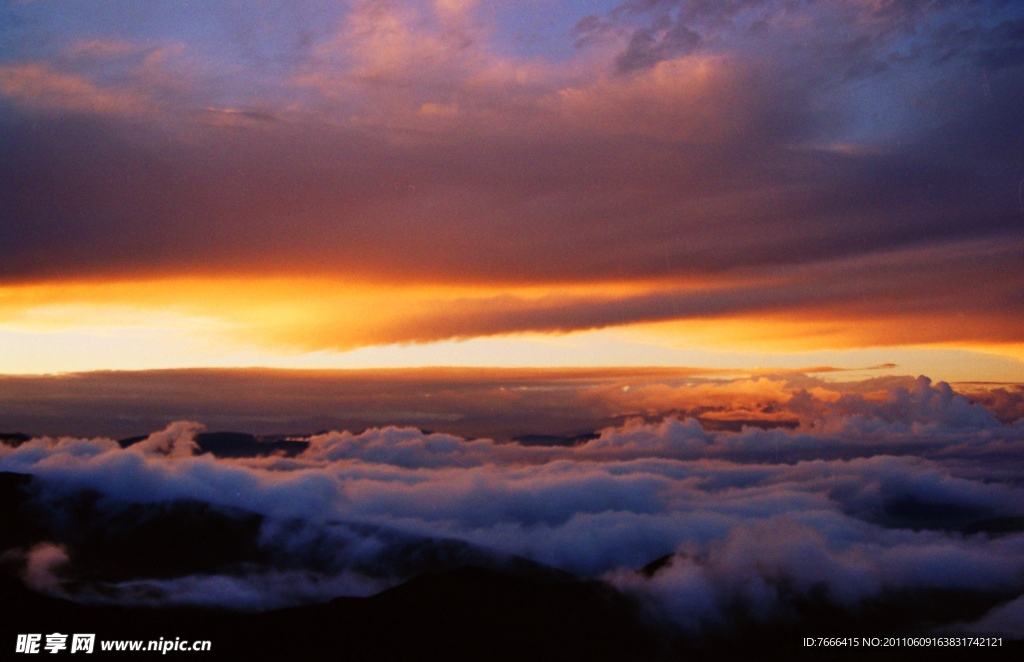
{"type": "Point", "coordinates": [57, 642]}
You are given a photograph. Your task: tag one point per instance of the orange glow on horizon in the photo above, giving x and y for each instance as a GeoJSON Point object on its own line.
{"type": "Point", "coordinates": [291, 315]}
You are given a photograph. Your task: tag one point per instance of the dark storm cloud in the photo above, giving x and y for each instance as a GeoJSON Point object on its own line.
{"type": "Point", "coordinates": [865, 38]}
{"type": "Point", "coordinates": [76, 191]}
{"type": "Point", "coordinates": [662, 41]}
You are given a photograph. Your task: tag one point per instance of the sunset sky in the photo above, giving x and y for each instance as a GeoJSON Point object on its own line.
{"type": "Point", "coordinates": [719, 303]}
{"type": "Point", "coordinates": [311, 184]}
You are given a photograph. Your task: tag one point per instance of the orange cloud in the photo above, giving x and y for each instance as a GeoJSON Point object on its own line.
{"type": "Point", "coordinates": [692, 99]}
{"type": "Point", "coordinates": [104, 48]}
{"type": "Point", "coordinates": [39, 87]}
{"type": "Point", "coordinates": [299, 314]}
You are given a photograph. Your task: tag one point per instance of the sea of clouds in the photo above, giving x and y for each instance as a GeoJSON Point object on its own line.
{"type": "Point", "coordinates": [865, 496]}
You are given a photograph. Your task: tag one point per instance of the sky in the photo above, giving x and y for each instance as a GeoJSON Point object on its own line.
{"type": "Point", "coordinates": [727, 185]}
{"type": "Point", "coordinates": [607, 280]}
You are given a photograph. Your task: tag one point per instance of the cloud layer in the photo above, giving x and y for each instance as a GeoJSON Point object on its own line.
{"type": "Point", "coordinates": [500, 404]}
{"type": "Point", "coordinates": [917, 490]}
{"type": "Point", "coordinates": [850, 162]}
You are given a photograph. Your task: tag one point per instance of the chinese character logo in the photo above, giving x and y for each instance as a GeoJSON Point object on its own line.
{"type": "Point", "coordinates": [28, 643]}
{"type": "Point", "coordinates": [83, 643]}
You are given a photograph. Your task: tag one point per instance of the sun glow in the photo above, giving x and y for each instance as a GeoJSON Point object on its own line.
{"type": "Point", "coordinates": [332, 323]}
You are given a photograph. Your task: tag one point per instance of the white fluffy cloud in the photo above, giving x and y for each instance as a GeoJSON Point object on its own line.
{"type": "Point", "coordinates": [873, 495]}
